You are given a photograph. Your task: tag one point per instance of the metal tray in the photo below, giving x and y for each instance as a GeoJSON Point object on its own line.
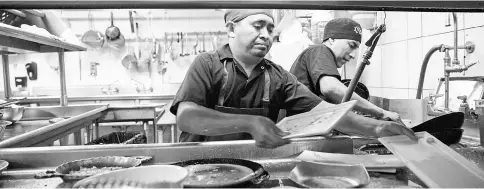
{"type": "Point", "coordinates": [63, 171]}
{"type": "Point", "coordinates": [152, 176]}
{"type": "Point", "coordinates": [326, 175]}
{"type": "Point", "coordinates": [318, 121]}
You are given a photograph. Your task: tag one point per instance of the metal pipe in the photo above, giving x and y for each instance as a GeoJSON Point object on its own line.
{"type": "Point", "coordinates": [423, 69]}
{"type": "Point", "coordinates": [62, 74]}
{"type": "Point", "coordinates": [447, 75]}
{"type": "Point", "coordinates": [6, 77]}
{"type": "Point", "coordinates": [354, 81]}
{"type": "Point", "coordinates": [456, 59]}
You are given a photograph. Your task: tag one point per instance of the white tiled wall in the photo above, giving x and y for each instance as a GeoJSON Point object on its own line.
{"type": "Point", "coordinates": [394, 65]}
{"type": "Point", "coordinates": [372, 75]}
{"type": "Point", "coordinates": [414, 58]}
{"type": "Point", "coordinates": [396, 24]}
{"type": "Point", "coordinates": [414, 24]}
{"type": "Point", "coordinates": [395, 93]}
{"type": "Point", "coordinates": [409, 36]}
{"type": "Point", "coordinates": [434, 23]}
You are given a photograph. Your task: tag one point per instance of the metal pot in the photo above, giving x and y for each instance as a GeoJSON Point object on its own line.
{"type": "Point", "coordinates": [12, 113]}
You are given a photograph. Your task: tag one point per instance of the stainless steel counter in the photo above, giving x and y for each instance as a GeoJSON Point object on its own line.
{"type": "Point", "coordinates": [34, 129]}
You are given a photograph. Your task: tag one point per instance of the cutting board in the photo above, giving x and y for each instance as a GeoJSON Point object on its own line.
{"type": "Point", "coordinates": [433, 162]}
{"type": "Point", "coordinates": [319, 121]}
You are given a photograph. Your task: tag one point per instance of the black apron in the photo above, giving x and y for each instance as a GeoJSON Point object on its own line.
{"type": "Point", "coordinates": [264, 111]}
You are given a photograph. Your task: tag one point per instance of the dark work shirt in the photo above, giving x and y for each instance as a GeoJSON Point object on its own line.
{"type": "Point", "coordinates": [203, 81]}
{"type": "Point", "coordinates": [314, 63]}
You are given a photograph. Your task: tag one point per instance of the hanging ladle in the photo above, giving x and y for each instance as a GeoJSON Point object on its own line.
{"type": "Point", "coordinates": [112, 32]}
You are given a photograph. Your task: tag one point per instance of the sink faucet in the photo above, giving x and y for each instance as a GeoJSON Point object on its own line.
{"type": "Point", "coordinates": [455, 65]}
{"type": "Point", "coordinates": [109, 88]}
{"type": "Point", "coordinates": [143, 89]}
{"type": "Point", "coordinates": [469, 114]}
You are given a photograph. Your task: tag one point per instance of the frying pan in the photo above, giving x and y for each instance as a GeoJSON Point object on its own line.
{"type": "Point", "coordinates": [452, 120]}
{"type": "Point", "coordinates": [64, 170]}
{"type": "Point", "coordinates": [255, 178]}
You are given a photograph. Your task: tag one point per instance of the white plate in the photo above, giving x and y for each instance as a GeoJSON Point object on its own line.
{"type": "Point", "coordinates": [318, 121]}
{"type": "Point", "coordinates": [369, 161]}
{"type": "Point", "coordinates": [437, 165]}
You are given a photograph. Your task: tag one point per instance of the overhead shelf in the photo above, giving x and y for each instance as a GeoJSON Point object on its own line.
{"type": "Point", "coordinates": [396, 5]}
{"type": "Point", "coordinates": [18, 41]}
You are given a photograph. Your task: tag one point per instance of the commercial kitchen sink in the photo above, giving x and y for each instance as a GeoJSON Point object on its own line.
{"type": "Point", "coordinates": [37, 127]}
{"type": "Point", "coordinates": [26, 162]}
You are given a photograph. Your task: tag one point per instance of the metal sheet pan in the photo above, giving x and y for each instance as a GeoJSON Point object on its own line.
{"type": "Point", "coordinates": [64, 170]}
{"type": "Point", "coordinates": [326, 175]}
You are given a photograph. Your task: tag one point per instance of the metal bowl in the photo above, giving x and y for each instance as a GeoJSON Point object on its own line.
{"type": "Point", "coordinates": [12, 113]}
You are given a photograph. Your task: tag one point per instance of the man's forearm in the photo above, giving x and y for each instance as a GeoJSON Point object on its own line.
{"type": "Point", "coordinates": [366, 106]}
{"type": "Point", "coordinates": [363, 105]}
{"type": "Point", "coordinates": [199, 120]}
{"type": "Point", "coordinates": [356, 124]}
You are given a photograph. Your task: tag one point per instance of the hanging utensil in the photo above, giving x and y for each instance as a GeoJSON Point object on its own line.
{"type": "Point", "coordinates": [92, 38]}
{"type": "Point", "coordinates": [203, 43]}
{"type": "Point", "coordinates": [196, 44]}
{"type": "Point", "coordinates": [182, 54]}
{"type": "Point", "coordinates": [112, 32]}
{"type": "Point", "coordinates": [137, 41]}
{"type": "Point", "coordinates": [113, 35]}
{"type": "Point", "coordinates": [131, 21]}
{"type": "Point", "coordinates": [129, 61]}
{"type": "Point", "coordinates": [186, 42]}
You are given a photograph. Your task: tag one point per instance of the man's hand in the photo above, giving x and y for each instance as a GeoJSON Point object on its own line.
{"type": "Point", "coordinates": [391, 116]}
{"type": "Point", "coordinates": [266, 133]}
{"type": "Point", "coordinates": [390, 128]}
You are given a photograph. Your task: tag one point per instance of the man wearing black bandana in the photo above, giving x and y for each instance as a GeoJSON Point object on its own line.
{"type": "Point", "coordinates": [316, 67]}
{"type": "Point", "coordinates": [234, 93]}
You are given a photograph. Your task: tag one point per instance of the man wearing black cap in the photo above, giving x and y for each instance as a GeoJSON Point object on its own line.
{"type": "Point", "coordinates": [234, 93]}
{"type": "Point", "coordinates": [316, 67]}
